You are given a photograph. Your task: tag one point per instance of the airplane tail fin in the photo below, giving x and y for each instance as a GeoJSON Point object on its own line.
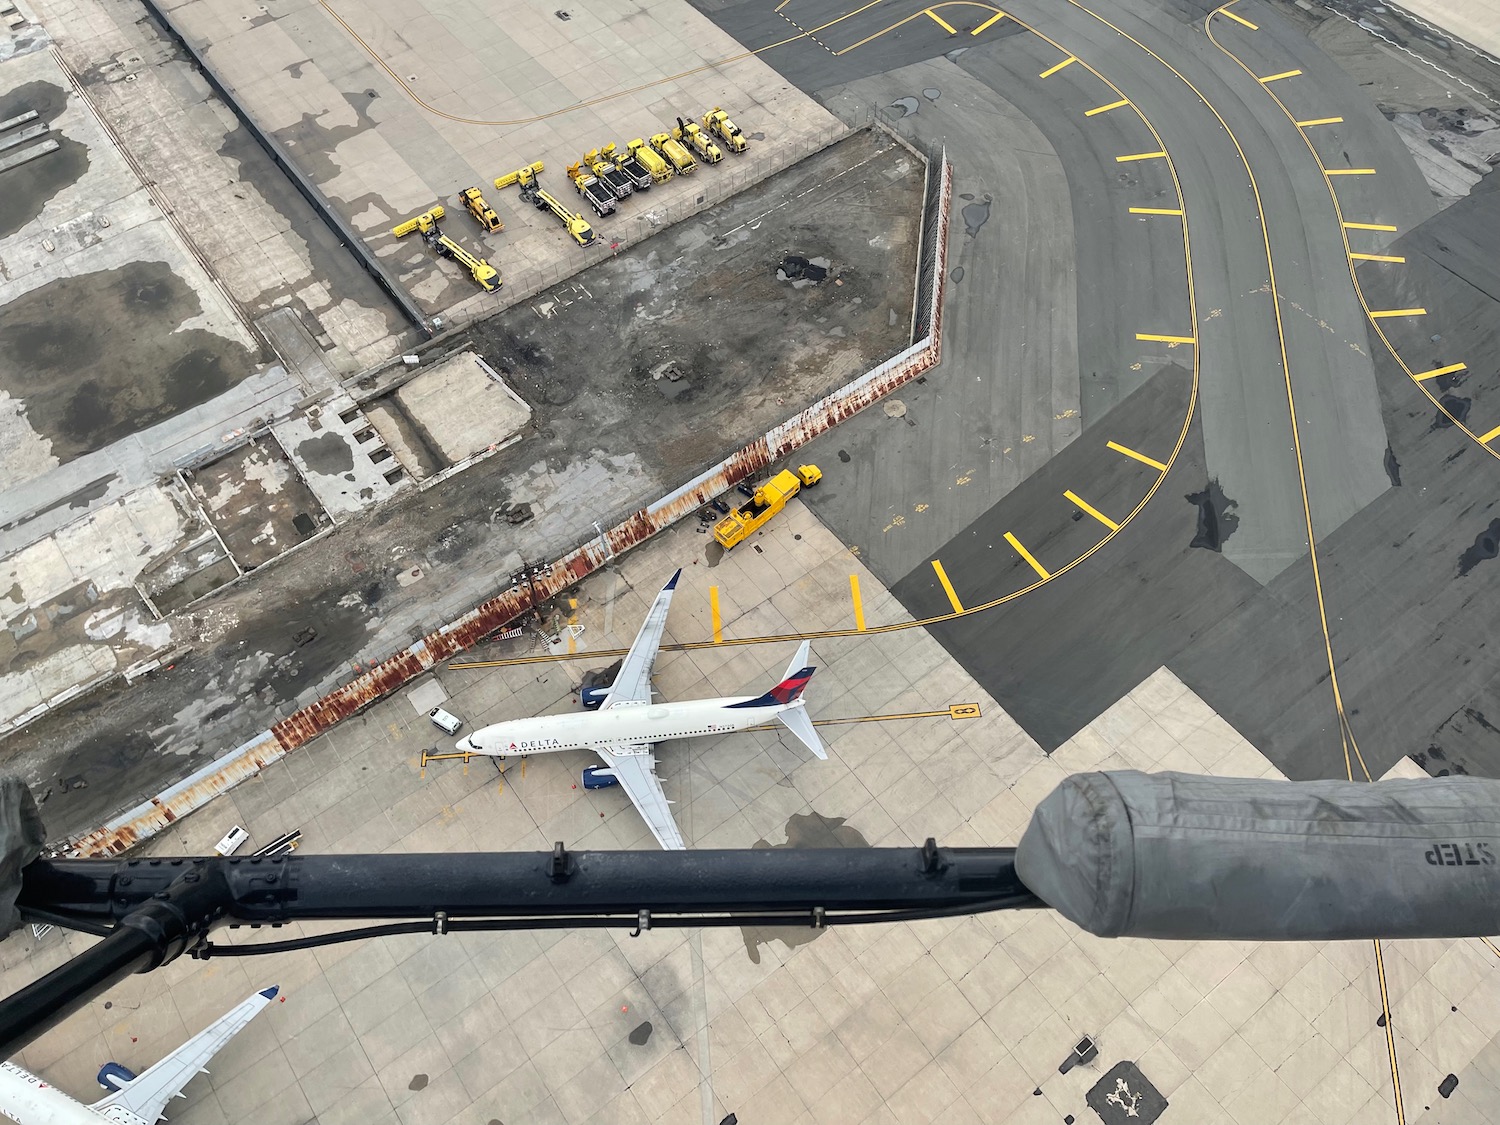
{"type": "Point", "coordinates": [793, 680]}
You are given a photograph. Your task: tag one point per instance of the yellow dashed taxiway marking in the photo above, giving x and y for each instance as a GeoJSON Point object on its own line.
{"type": "Point", "coordinates": [1319, 121]}
{"type": "Point", "coordinates": [1051, 70]}
{"type": "Point", "coordinates": [987, 24]}
{"type": "Point", "coordinates": [1376, 257]}
{"type": "Point", "coordinates": [859, 605]}
{"type": "Point", "coordinates": [1241, 20]}
{"type": "Point", "coordinates": [1151, 337]}
{"type": "Point", "coordinates": [1491, 436]}
{"type": "Point", "coordinates": [1131, 453]}
{"type": "Point", "coordinates": [1436, 371]}
{"type": "Point", "coordinates": [713, 610]}
{"type": "Point", "coordinates": [1381, 314]}
{"type": "Point", "coordinates": [1156, 211]}
{"type": "Point", "coordinates": [1369, 226]}
{"type": "Point", "coordinates": [1139, 156]}
{"type": "Point", "coordinates": [1027, 555]}
{"type": "Point", "coordinates": [1091, 510]}
{"type": "Point", "coordinates": [1098, 109]}
{"type": "Point", "coordinates": [942, 23]}
{"type": "Point", "coordinates": [1348, 171]}
{"type": "Point", "coordinates": [942, 575]}
{"type": "Point", "coordinates": [1278, 77]}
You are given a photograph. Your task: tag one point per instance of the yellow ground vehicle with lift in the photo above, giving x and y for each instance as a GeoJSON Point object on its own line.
{"type": "Point", "coordinates": [695, 138]}
{"type": "Point", "coordinates": [426, 224]}
{"type": "Point", "coordinates": [671, 148]}
{"type": "Point", "coordinates": [660, 169]}
{"type": "Point", "coordinates": [765, 502]}
{"type": "Point", "coordinates": [725, 131]}
{"type": "Point", "coordinates": [483, 213]}
{"type": "Point", "coordinates": [543, 200]}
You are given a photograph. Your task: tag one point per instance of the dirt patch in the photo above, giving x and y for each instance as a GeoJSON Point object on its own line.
{"type": "Point", "coordinates": [98, 357]}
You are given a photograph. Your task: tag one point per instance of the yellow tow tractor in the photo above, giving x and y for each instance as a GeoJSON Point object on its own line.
{"type": "Point", "coordinates": [426, 224]}
{"type": "Point", "coordinates": [651, 160]}
{"type": "Point", "coordinates": [695, 138]}
{"type": "Point", "coordinates": [725, 131]}
{"type": "Point", "coordinates": [483, 213]}
{"type": "Point", "coordinates": [670, 147]}
{"type": "Point", "coordinates": [575, 224]}
{"type": "Point", "coordinates": [764, 503]}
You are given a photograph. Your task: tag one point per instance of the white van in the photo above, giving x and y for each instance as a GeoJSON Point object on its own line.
{"type": "Point", "coordinates": [445, 721]}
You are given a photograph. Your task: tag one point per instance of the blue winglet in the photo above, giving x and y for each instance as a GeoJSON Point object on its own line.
{"type": "Point", "coordinates": [270, 993]}
{"type": "Point", "coordinates": [672, 582]}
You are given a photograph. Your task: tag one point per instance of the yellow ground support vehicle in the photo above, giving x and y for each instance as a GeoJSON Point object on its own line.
{"type": "Point", "coordinates": [483, 213]}
{"type": "Point", "coordinates": [696, 139]}
{"type": "Point", "coordinates": [768, 499]}
{"type": "Point", "coordinates": [680, 158]}
{"type": "Point", "coordinates": [725, 131]}
{"type": "Point", "coordinates": [661, 170]}
{"type": "Point", "coordinates": [426, 224]}
{"type": "Point", "coordinates": [630, 166]}
{"type": "Point", "coordinates": [575, 224]}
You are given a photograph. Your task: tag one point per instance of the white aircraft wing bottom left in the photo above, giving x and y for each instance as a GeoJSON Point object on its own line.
{"type": "Point", "coordinates": [634, 766]}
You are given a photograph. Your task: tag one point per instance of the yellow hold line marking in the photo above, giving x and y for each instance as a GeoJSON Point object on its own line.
{"type": "Point", "coordinates": [1141, 457]}
{"type": "Point", "coordinates": [859, 605]}
{"type": "Point", "coordinates": [1383, 313]}
{"type": "Point", "coordinates": [1051, 70]}
{"type": "Point", "coordinates": [1369, 226]}
{"type": "Point", "coordinates": [1349, 172]}
{"type": "Point", "coordinates": [1278, 77]}
{"type": "Point", "coordinates": [1491, 436]}
{"type": "Point", "coordinates": [1106, 108]}
{"type": "Point", "coordinates": [1436, 371]}
{"type": "Point", "coordinates": [1151, 337]}
{"type": "Point", "coordinates": [1240, 19]}
{"type": "Point", "coordinates": [1376, 257]}
{"type": "Point", "coordinates": [1091, 510]}
{"type": "Point", "coordinates": [1027, 555]}
{"type": "Point", "coordinates": [942, 575]}
{"type": "Point", "coordinates": [1156, 210]}
{"type": "Point", "coordinates": [942, 23]}
{"type": "Point", "coordinates": [1320, 121]}
{"type": "Point", "coordinates": [1139, 156]}
{"type": "Point", "coordinates": [713, 609]}
{"type": "Point", "coordinates": [987, 24]}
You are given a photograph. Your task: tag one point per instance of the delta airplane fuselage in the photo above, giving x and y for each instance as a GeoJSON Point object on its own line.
{"type": "Point", "coordinates": [28, 1100]}
{"type": "Point", "coordinates": [622, 723]}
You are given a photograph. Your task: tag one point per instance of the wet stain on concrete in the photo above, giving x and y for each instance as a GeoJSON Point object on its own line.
{"type": "Point", "coordinates": [810, 830]}
{"type": "Point", "coordinates": [1392, 467]}
{"type": "Point", "coordinates": [1486, 546]}
{"type": "Point", "coordinates": [99, 356]}
{"type": "Point", "coordinates": [328, 454]}
{"type": "Point", "coordinates": [641, 1035]}
{"type": "Point", "coordinates": [957, 275]}
{"type": "Point", "coordinates": [932, 94]}
{"type": "Point", "coordinates": [418, 1082]}
{"type": "Point", "coordinates": [1454, 405]}
{"type": "Point", "coordinates": [975, 215]}
{"type": "Point", "coordinates": [311, 144]}
{"type": "Point", "coordinates": [80, 498]}
{"type": "Point", "coordinates": [1216, 518]}
{"type": "Point", "coordinates": [30, 186]}
{"type": "Point", "coordinates": [907, 106]}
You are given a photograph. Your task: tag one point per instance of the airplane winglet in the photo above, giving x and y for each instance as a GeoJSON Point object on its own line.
{"type": "Point", "coordinates": [270, 993]}
{"type": "Point", "coordinates": [672, 582]}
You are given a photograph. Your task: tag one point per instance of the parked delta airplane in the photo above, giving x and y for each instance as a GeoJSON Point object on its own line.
{"type": "Point", "coordinates": [135, 1100]}
{"type": "Point", "coordinates": [627, 725]}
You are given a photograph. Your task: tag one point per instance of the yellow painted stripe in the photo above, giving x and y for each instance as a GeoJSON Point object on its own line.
{"type": "Point", "coordinates": [1383, 313]}
{"type": "Point", "coordinates": [1141, 457]}
{"type": "Point", "coordinates": [1156, 211]}
{"type": "Point", "coordinates": [1319, 121]}
{"type": "Point", "coordinates": [1091, 510]}
{"type": "Point", "coordinates": [859, 605]}
{"type": "Point", "coordinates": [1106, 108]}
{"type": "Point", "coordinates": [1138, 156]}
{"type": "Point", "coordinates": [1368, 226]}
{"type": "Point", "coordinates": [1153, 338]}
{"type": "Point", "coordinates": [1348, 171]}
{"type": "Point", "coordinates": [1027, 555]}
{"type": "Point", "coordinates": [1491, 436]}
{"type": "Point", "coordinates": [942, 23]}
{"type": "Point", "coordinates": [958, 606]}
{"type": "Point", "coordinates": [1279, 77]}
{"type": "Point", "coordinates": [1241, 19]}
{"type": "Point", "coordinates": [713, 609]}
{"type": "Point", "coordinates": [996, 18]}
{"type": "Point", "coordinates": [1051, 70]}
{"type": "Point", "coordinates": [1376, 257]}
{"type": "Point", "coordinates": [1436, 371]}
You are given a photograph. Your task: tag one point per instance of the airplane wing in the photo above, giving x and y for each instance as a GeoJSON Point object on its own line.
{"type": "Point", "coordinates": [148, 1093]}
{"type": "Point", "coordinates": [634, 766]}
{"type": "Point", "coordinates": [633, 682]}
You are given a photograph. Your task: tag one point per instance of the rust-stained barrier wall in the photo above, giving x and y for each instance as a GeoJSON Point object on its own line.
{"type": "Point", "coordinates": [297, 729]}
